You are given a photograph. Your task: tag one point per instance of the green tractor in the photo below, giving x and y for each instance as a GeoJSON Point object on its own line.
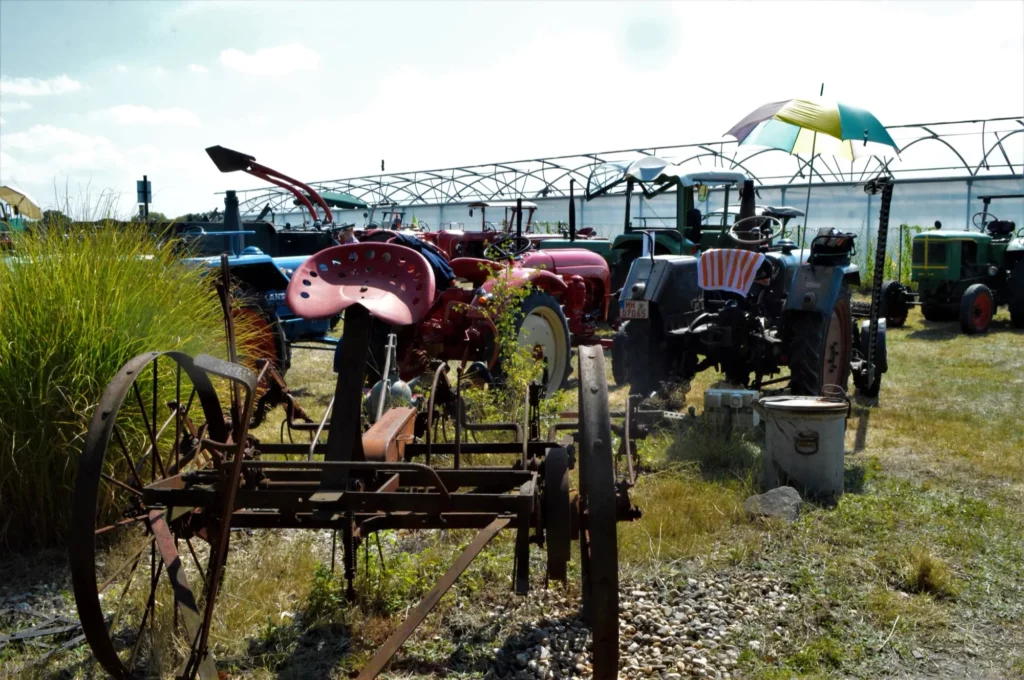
{"type": "Point", "coordinates": [964, 275]}
{"type": "Point", "coordinates": [653, 176]}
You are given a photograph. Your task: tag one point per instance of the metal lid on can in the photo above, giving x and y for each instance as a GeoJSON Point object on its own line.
{"type": "Point", "coordinates": [804, 404]}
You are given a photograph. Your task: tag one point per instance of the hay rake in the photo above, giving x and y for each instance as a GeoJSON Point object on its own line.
{"type": "Point", "coordinates": [167, 473]}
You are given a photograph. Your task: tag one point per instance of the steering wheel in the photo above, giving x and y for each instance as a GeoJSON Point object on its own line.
{"type": "Point", "coordinates": [982, 219]}
{"type": "Point", "coordinates": [508, 248]}
{"type": "Point", "coordinates": [763, 227]}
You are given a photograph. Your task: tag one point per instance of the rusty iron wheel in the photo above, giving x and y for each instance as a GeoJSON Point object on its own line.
{"type": "Point", "coordinates": [557, 513]}
{"type": "Point", "coordinates": [131, 584]}
{"type": "Point", "coordinates": [598, 539]}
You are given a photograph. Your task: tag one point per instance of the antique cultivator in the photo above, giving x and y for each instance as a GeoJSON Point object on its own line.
{"type": "Point", "coordinates": [168, 475]}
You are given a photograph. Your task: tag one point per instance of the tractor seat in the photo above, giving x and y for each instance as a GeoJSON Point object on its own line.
{"type": "Point", "coordinates": [1001, 227]}
{"type": "Point", "coordinates": [728, 269]}
{"type": "Point", "coordinates": [394, 283]}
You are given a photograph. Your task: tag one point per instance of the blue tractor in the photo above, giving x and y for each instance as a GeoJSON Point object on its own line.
{"type": "Point", "coordinates": [261, 278]}
{"type": "Point", "coordinates": [750, 305]}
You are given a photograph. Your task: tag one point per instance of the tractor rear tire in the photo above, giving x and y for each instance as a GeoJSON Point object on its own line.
{"type": "Point", "coordinates": [820, 348]}
{"type": "Point", "coordinates": [976, 309]}
{"type": "Point", "coordinates": [620, 360]}
{"type": "Point", "coordinates": [1017, 295]}
{"type": "Point", "coordinates": [639, 358]}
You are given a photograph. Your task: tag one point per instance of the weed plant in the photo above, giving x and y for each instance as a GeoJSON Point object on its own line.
{"type": "Point", "coordinates": [74, 307]}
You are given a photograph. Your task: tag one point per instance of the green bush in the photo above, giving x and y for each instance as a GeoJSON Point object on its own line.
{"type": "Point", "coordinates": [73, 309]}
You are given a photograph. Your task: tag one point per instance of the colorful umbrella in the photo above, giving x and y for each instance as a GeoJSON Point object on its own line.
{"type": "Point", "coordinates": [813, 127]}
{"type": "Point", "coordinates": [803, 126]}
{"type": "Point", "coordinates": [23, 203]}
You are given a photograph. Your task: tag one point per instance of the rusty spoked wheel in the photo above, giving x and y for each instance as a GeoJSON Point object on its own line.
{"type": "Point", "coordinates": [134, 566]}
{"type": "Point", "coordinates": [557, 513]}
{"type": "Point", "coordinates": [599, 556]}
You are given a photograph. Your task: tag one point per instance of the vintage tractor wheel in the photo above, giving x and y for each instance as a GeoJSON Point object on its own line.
{"type": "Point", "coordinates": [134, 567]}
{"type": "Point", "coordinates": [820, 347]}
{"type": "Point", "coordinates": [635, 360]}
{"type": "Point", "coordinates": [540, 323]}
{"type": "Point", "coordinates": [557, 513]}
{"type": "Point", "coordinates": [1016, 287]}
{"type": "Point", "coordinates": [976, 309]}
{"type": "Point", "coordinates": [938, 313]}
{"type": "Point", "coordinates": [599, 557]}
{"type": "Point", "coordinates": [893, 304]}
{"type": "Point", "coordinates": [268, 342]}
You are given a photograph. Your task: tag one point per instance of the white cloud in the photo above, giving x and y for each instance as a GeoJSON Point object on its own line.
{"type": "Point", "coordinates": [197, 68]}
{"type": "Point", "coordinates": [131, 114]}
{"type": "Point", "coordinates": [34, 87]}
{"type": "Point", "coordinates": [39, 138]}
{"type": "Point", "coordinates": [271, 61]}
{"type": "Point", "coordinates": [2, 121]}
{"type": "Point", "coordinates": [158, 70]}
{"type": "Point", "coordinates": [121, 68]}
{"type": "Point", "coordinates": [11, 107]}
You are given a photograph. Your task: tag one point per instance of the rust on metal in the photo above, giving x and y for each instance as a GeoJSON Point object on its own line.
{"type": "Point", "coordinates": [386, 439]}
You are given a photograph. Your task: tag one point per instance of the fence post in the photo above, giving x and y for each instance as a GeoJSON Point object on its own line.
{"type": "Point", "coordinates": [967, 216]}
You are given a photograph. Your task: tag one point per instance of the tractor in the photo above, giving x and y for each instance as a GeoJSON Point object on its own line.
{"type": "Point", "coordinates": [964, 275]}
{"type": "Point", "coordinates": [569, 296]}
{"type": "Point", "coordinates": [653, 176]}
{"type": "Point", "coordinates": [751, 304]}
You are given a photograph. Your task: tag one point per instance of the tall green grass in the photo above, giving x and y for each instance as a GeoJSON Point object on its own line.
{"type": "Point", "coordinates": [73, 308]}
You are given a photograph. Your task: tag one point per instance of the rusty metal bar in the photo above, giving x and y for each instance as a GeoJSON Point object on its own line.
{"type": "Point", "coordinates": [384, 654]}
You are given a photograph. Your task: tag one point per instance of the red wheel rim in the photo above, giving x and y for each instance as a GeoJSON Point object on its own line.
{"type": "Point", "coordinates": [264, 344]}
{"type": "Point", "coordinates": [981, 311]}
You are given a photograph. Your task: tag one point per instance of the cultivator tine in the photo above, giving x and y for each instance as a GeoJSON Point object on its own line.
{"type": "Point", "coordinates": [430, 600]}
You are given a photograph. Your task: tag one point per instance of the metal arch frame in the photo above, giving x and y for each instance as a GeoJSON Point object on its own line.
{"type": "Point", "coordinates": [549, 177]}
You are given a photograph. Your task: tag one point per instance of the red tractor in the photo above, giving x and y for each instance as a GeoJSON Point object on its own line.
{"type": "Point", "coordinates": [569, 296]}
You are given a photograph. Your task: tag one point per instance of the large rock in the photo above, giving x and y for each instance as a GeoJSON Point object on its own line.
{"type": "Point", "coordinates": [783, 502]}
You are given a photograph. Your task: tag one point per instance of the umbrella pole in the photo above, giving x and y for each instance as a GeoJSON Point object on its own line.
{"type": "Point", "coordinates": [810, 178]}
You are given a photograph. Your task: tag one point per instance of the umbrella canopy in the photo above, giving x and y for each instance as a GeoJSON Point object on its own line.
{"type": "Point", "coordinates": [804, 126]}
{"type": "Point", "coordinates": [25, 205]}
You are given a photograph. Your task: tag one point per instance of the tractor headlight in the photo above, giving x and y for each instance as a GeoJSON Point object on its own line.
{"type": "Point", "coordinates": [638, 289]}
{"type": "Point", "coordinates": [993, 270]}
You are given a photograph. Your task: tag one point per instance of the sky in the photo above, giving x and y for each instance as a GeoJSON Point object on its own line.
{"type": "Point", "coordinates": [95, 94]}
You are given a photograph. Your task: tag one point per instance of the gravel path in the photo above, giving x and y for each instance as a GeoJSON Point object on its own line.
{"type": "Point", "coordinates": [670, 627]}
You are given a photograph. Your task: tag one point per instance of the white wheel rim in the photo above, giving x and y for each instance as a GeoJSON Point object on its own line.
{"type": "Point", "coordinates": [543, 328]}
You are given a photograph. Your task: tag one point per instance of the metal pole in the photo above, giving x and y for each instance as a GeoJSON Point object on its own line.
{"type": "Point", "coordinates": [145, 196]}
{"type": "Point", "coordinates": [810, 178]}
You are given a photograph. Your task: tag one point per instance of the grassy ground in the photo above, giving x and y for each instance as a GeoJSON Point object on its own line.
{"type": "Point", "coordinates": [918, 571]}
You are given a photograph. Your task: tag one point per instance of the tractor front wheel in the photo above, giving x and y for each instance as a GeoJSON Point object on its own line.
{"type": "Point", "coordinates": [540, 324]}
{"type": "Point", "coordinates": [893, 304]}
{"type": "Point", "coordinates": [976, 309]}
{"type": "Point", "coordinates": [636, 360]}
{"type": "Point", "coordinates": [1017, 295]}
{"type": "Point", "coordinates": [820, 347]}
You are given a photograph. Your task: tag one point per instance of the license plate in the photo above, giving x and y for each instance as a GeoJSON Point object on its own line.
{"type": "Point", "coordinates": [635, 309]}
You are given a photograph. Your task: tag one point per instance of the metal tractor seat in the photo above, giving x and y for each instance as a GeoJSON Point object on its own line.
{"type": "Point", "coordinates": [392, 282]}
{"type": "Point", "coordinates": [396, 285]}
{"type": "Point", "coordinates": [731, 270]}
{"type": "Point", "coordinates": [1001, 228]}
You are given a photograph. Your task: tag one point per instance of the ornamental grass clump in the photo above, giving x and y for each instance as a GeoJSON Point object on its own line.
{"type": "Point", "coordinates": [74, 307]}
